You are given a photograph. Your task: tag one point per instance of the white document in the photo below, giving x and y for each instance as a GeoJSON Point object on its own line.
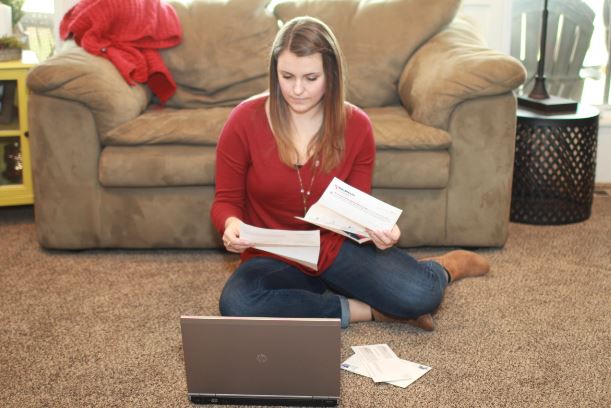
{"type": "Point", "coordinates": [300, 246]}
{"type": "Point", "coordinates": [349, 211]}
{"type": "Point", "coordinates": [354, 365]}
{"type": "Point", "coordinates": [381, 364]}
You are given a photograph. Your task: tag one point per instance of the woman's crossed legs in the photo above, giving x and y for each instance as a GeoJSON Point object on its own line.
{"type": "Point", "coordinates": [389, 281]}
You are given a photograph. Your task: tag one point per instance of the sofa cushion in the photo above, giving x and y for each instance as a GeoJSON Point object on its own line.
{"type": "Point", "coordinates": [431, 90]}
{"type": "Point", "coordinates": [156, 166]}
{"type": "Point", "coordinates": [394, 129]}
{"type": "Point", "coordinates": [180, 165]}
{"type": "Point", "coordinates": [224, 54]}
{"type": "Point", "coordinates": [161, 126]}
{"type": "Point", "coordinates": [392, 126]}
{"type": "Point", "coordinates": [376, 37]}
{"type": "Point", "coordinates": [412, 169]}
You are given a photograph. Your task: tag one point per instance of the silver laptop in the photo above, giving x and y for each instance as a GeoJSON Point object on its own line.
{"type": "Point", "coordinates": [261, 361]}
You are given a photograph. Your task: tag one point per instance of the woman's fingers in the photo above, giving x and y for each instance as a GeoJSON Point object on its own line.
{"type": "Point", "coordinates": [381, 239]}
{"type": "Point", "coordinates": [384, 239]}
{"type": "Point", "coordinates": [236, 244]}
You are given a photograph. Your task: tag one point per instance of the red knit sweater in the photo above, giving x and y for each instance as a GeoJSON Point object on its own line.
{"type": "Point", "coordinates": [253, 185]}
{"type": "Point", "coordinates": [129, 34]}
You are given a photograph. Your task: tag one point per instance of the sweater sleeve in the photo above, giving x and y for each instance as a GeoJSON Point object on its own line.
{"type": "Point", "coordinates": [232, 161]}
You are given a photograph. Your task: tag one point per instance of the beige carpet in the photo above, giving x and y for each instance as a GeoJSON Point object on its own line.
{"type": "Point", "coordinates": [101, 328]}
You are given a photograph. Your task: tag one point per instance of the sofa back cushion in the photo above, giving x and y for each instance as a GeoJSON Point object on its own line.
{"type": "Point", "coordinates": [376, 37]}
{"type": "Point", "coordinates": [395, 130]}
{"type": "Point", "coordinates": [223, 58]}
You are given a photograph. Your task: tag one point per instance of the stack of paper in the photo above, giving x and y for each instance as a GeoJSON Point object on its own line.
{"type": "Point", "coordinates": [300, 246]}
{"type": "Point", "coordinates": [381, 364]}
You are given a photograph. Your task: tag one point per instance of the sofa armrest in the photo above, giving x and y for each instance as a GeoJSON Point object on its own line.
{"type": "Point", "coordinates": [483, 132]}
{"type": "Point", "coordinates": [65, 149]}
{"type": "Point", "coordinates": [452, 67]}
{"type": "Point", "coordinates": [78, 76]}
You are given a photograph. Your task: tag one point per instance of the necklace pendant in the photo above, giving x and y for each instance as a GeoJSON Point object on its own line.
{"type": "Point", "coordinates": [306, 194]}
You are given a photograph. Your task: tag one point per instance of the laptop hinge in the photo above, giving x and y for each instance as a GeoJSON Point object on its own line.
{"type": "Point", "coordinates": [258, 399]}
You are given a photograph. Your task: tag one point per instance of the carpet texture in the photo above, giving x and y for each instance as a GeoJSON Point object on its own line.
{"type": "Point", "coordinates": [101, 328]}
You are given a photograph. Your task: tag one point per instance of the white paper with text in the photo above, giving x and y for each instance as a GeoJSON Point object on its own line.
{"type": "Point", "coordinates": [355, 365]}
{"type": "Point", "coordinates": [349, 212]}
{"type": "Point", "coordinates": [302, 247]}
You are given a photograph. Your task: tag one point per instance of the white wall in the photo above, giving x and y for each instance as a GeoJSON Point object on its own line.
{"type": "Point", "coordinates": [61, 6]}
{"type": "Point", "coordinates": [603, 155]}
{"type": "Point", "coordinates": [493, 18]}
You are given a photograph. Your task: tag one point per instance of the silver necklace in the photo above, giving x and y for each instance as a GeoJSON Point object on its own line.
{"type": "Point", "coordinates": [306, 194]}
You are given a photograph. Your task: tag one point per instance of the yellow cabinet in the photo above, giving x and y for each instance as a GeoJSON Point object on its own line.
{"type": "Point", "coordinates": [15, 170]}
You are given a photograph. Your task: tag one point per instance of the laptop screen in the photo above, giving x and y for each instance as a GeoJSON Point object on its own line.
{"type": "Point", "coordinates": [250, 360]}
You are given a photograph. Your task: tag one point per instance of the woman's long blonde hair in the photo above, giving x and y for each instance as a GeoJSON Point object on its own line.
{"type": "Point", "coordinates": [304, 36]}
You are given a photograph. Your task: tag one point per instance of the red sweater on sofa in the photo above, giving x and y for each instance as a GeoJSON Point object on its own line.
{"type": "Point", "coordinates": [129, 34]}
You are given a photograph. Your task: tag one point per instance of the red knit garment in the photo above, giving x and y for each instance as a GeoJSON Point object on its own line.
{"type": "Point", "coordinates": [253, 185]}
{"type": "Point", "coordinates": [129, 33]}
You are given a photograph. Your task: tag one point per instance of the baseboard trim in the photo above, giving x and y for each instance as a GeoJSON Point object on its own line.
{"type": "Point", "coordinates": [602, 189]}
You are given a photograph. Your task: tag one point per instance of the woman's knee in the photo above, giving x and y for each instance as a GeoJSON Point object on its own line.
{"type": "Point", "coordinates": [416, 300]}
{"type": "Point", "coordinates": [421, 307]}
{"type": "Point", "coordinates": [238, 297]}
{"type": "Point", "coordinates": [232, 303]}
{"type": "Point", "coordinates": [247, 300]}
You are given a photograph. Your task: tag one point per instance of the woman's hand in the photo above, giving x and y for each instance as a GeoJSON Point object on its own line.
{"type": "Point", "coordinates": [231, 236]}
{"type": "Point", "coordinates": [384, 239]}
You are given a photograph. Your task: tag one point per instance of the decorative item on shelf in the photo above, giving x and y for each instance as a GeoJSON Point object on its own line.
{"type": "Point", "coordinates": [14, 163]}
{"type": "Point", "coordinates": [539, 99]}
{"type": "Point", "coordinates": [12, 37]}
{"type": "Point", "coordinates": [10, 48]}
{"type": "Point", "coordinates": [16, 12]}
{"type": "Point", "coordinates": [6, 20]}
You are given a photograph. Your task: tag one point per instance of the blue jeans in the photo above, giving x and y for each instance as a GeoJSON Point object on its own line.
{"type": "Point", "coordinates": [390, 281]}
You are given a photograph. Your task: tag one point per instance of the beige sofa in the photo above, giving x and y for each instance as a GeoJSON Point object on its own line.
{"type": "Point", "coordinates": [113, 169]}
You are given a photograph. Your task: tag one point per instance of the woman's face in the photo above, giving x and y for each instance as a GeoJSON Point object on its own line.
{"type": "Point", "coordinates": [302, 81]}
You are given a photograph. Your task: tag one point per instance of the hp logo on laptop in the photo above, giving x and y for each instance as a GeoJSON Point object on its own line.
{"type": "Point", "coordinates": [261, 358]}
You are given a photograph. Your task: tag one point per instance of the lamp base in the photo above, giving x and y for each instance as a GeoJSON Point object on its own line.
{"type": "Point", "coordinates": [551, 105]}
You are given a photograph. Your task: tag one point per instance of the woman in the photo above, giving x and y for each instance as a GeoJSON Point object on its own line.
{"type": "Point", "coordinates": [275, 157]}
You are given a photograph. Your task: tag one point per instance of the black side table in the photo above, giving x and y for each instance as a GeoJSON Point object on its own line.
{"type": "Point", "coordinates": [555, 163]}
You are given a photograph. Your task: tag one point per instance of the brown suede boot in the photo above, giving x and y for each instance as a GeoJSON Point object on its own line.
{"type": "Point", "coordinates": [425, 322]}
{"type": "Point", "coordinates": [462, 264]}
